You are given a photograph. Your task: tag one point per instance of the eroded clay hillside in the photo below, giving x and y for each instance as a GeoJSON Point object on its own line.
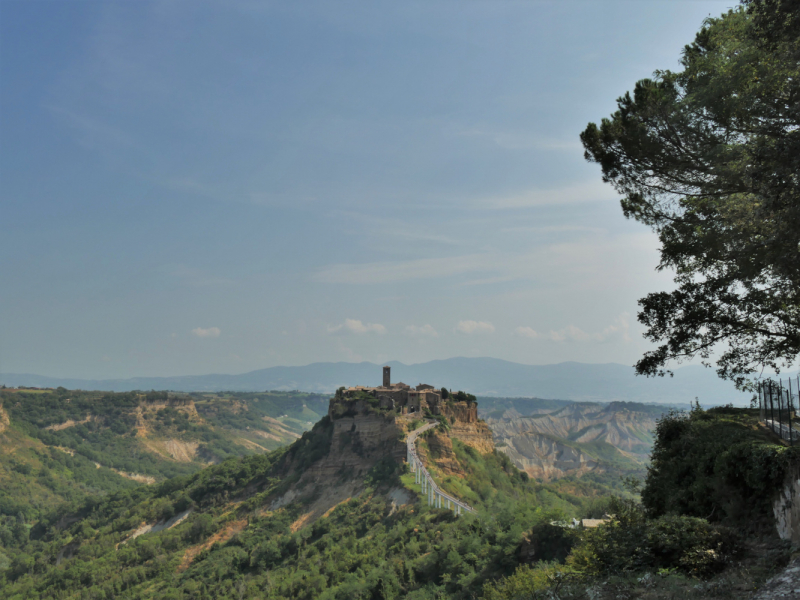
{"type": "Point", "coordinates": [63, 445]}
{"type": "Point", "coordinates": [555, 440]}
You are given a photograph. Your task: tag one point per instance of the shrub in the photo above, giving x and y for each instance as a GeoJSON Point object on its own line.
{"type": "Point", "coordinates": [535, 582]}
{"type": "Point", "coordinates": [716, 464]}
{"type": "Point", "coordinates": [632, 542]}
{"type": "Point", "coordinates": [548, 542]}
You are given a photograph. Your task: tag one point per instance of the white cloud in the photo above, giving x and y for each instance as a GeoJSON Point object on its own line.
{"type": "Point", "coordinates": [424, 331]}
{"type": "Point", "coordinates": [470, 327]}
{"type": "Point", "coordinates": [618, 328]}
{"type": "Point", "coordinates": [355, 326]}
{"type": "Point", "coordinates": [528, 332]}
{"type": "Point", "coordinates": [569, 333]}
{"type": "Point", "coordinates": [211, 332]}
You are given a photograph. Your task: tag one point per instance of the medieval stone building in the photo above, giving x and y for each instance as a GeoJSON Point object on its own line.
{"type": "Point", "coordinates": [400, 396]}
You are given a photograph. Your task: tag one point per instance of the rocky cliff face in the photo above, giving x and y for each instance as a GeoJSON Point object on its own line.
{"type": "Point", "coordinates": [440, 451]}
{"type": "Point", "coordinates": [467, 427]}
{"type": "Point", "coordinates": [356, 435]}
{"type": "Point", "coordinates": [460, 411]}
{"type": "Point", "coordinates": [358, 442]}
{"type": "Point", "coordinates": [477, 434]}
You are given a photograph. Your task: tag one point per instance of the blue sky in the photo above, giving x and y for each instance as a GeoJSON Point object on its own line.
{"type": "Point", "coordinates": [195, 187]}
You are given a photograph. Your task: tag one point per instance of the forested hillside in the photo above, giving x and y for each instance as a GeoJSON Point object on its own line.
{"type": "Point", "coordinates": [240, 529]}
{"type": "Point", "coordinates": [336, 514]}
{"type": "Point", "coordinates": [64, 445]}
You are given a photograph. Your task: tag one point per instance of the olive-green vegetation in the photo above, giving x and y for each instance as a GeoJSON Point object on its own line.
{"type": "Point", "coordinates": [64, 445]}
{"type": "Point", "coordinates": [713, 476]}
{"type": "Point", "coordinates": [224, 533]}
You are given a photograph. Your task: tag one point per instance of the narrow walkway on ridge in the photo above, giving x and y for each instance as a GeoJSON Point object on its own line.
{"type": "Point", "coordinates": [436, 496]}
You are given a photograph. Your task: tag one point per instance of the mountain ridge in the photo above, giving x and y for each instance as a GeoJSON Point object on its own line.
{"type": "Point", "coordinates": [480, 376]}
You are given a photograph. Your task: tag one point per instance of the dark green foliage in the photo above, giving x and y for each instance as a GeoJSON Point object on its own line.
{"type": "Point", "coordinates": [312, 446]}
{"type": "Point", "coordinates": [632, 542]}
{"type": "Point", "coordinates": [551, 542]}
{"type": "Point", "coordinates": [708, 157]}
{"type": "Point", "coordinates": [460, 396]}
{"type": "Point", "coordinates": [717, 464]}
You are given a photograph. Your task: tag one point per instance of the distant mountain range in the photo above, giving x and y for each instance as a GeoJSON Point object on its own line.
{"type": "Point", "coordinates": [479, 376]}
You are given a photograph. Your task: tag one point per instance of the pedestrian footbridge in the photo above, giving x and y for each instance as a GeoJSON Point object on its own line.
{"type": "Point", "coordinates": [436, 496]}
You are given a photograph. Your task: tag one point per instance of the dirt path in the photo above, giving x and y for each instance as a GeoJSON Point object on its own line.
{"type": "Point", "coordinates": [785, 584]}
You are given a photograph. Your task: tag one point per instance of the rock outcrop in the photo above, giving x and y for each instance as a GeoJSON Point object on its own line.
{"type": "Point", "coordinates": [786, 508]}
{"type": "Point", "coordinates": [476, 434]}
{"type": "Point", "coordinates": [460, 411]}
{"type": "Point", "coordinates": [358, 442]}
{"type": "Point", "coordinates": [440, 452]}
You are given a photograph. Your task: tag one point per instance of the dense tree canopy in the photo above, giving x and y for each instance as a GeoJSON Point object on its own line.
{"type": "Point", "coordinates": [709, 157]}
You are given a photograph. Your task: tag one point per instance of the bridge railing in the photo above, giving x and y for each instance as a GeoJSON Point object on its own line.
{"type": "Point", "coordinates": [777, 407]}
{"type": "Point", "coordinates": [435, 495]}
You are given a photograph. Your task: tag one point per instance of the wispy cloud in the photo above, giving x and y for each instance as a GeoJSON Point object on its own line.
{"type": "Point", "coordinates": [210, 332]}
{"type": "Point", "coordinates": [473, 327]}
{"type": "Point", "coordinates": [383, 228]}
{"type": "Point", "coordinates": [592, 191]}
{"type": "Point", "coordinates": [583, 263]}
{"type": "Point", "coordinates": [528, 332]}
{"type": "Point", "coordinates": [571, 333]}
{"type": "Point", "coordinates": [354, 326]}
{"type": "Point", "coordinates": [421, 331]}
{"type": "Point", "coordinates": [393, 272]}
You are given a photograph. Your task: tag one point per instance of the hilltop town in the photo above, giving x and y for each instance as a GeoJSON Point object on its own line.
{"type": "Point", "coordinates": [401, 399]}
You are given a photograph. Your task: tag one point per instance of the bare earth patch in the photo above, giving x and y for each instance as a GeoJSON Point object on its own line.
{"type": "Point", "coordinates": [174, 449]}
{"type": "Point", "coordinates": [326, 503]}
{"type": "Point", "coordinates": [222, 536]}
{"type": "Point", "coordinates": [4, 420]}
{"type": "Point", "coordinates": [156, 527]}
{"type": "Point", "coordinates": [251, 445]}
{"type": "Point", "coordinates": [68, 423]}
{"type": "Point", "coordinates": [785, 584]}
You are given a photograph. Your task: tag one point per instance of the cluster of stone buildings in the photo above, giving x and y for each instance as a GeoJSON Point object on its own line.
{"type": "Point", "coordinates": [400, 396]}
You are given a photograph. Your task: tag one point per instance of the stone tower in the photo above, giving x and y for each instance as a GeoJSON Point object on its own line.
{"type": "Point", "coordinates": [387, 377]}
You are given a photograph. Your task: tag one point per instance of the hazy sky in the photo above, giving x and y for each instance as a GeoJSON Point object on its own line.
{"type": "Point", "coordinates": [194, 187]}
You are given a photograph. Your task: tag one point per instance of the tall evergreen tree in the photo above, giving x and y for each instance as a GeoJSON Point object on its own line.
{"type": "Point", "coordinates": [709, 158]}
